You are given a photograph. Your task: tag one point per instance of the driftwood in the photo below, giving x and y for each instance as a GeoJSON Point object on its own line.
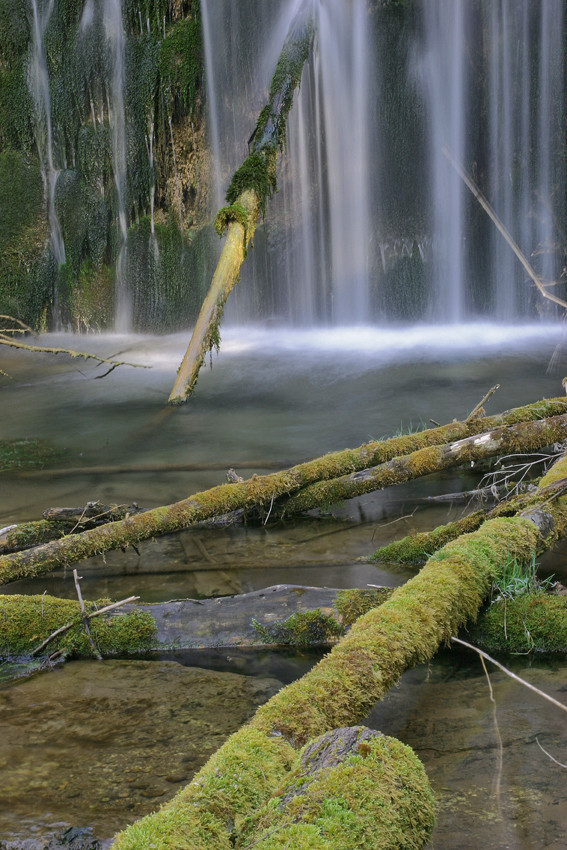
{"type": "Point", "coordinates": [57, 522]}
{"type": "Point", "coordinates": [406, 630]}
{"type": "Point", "coordinates": [251, 185]}
{"type": "Point", "coordinates": [263, 492]}
{"type": "Point", "coordinates": [42, 349]}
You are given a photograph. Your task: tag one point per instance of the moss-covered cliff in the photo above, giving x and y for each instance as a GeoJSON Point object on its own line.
{"type": "Point", "coordinates": [70, 66]}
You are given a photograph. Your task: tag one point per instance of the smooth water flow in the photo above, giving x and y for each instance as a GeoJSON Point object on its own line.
{"type": "Point", "coordinates": [38, 80]}
{"type": "Point", "coordinates": [114, 29]}
{"type": "Point", "coordinates": [339, 245]}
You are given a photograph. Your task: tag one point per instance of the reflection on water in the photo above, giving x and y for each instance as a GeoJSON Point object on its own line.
{"type": "Point", "coordinates": [272, 397]}
{"type": "Point", "coordinates": [509, 799]}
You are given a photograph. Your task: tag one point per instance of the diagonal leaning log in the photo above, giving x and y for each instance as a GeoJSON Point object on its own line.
{"type": "Point", "coordinates": [262, 491]}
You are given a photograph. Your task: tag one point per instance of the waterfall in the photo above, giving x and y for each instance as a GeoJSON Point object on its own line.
{"type": "Point", "coordinates": [504, 128]}
{"type": "Point", "coordinates": [443, 71]}
{"type": "Point", "coordinates": [114, 29]}
{"type": "Point", "coordinates": [345, 230]}
{"type": "Point", "coordinates": [315, 260]}
{"type": "Point", "coordinates": [38, 81]}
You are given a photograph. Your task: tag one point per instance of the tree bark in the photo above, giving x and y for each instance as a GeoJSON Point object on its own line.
{"type": "Point", "coordinates": [264, 491]}
{"type": "Point", "coordinates": [404, 631]}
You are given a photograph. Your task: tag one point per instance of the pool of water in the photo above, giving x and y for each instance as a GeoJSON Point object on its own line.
{"type": "Point", "coordinates": [273, 398]}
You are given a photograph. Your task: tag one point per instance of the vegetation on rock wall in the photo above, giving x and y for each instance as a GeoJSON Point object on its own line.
{"type": "Point", "coordinates": [162, 90]}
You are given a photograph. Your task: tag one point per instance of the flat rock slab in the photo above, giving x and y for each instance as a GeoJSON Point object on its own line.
{"type": "Point", "coordinates": [228, 620]}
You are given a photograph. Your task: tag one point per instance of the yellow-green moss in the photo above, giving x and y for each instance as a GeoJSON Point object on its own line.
{"type": "Point", "coordinates": [378, 798]}
{"type": "Point", "coordinates": [303, 629]}
{"type": "Point", "coordinates": [416, 548]}
{"type": "Point", "coordinates": [352, 604]}
{"type": "Point", "coordinates": [26, 621]}
{"type": "Point", "coordinates": [531, 622]}
{"type": "Point", "coordinates": [238, 778]}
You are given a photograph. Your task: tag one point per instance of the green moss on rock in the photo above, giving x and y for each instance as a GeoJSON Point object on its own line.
{"type": "Point", "coordinates": [531, 622]}
{"type": "Point", "coordinates": [303, 629]}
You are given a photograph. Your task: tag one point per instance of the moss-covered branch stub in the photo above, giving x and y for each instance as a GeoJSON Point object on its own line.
{"type": "Point", "coordinates": [352, 788]}
{"type": "Point", "coordinates": [258, 491]}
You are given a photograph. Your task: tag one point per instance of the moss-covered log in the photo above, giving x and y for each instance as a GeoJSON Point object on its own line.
{"type": "Point", "coordinates": [27, 621]}
{"type": "Point", "coordinates": [263, 491]}
{"type": "Point", "coordinates": [416, 548]}
{"type": "Point", "coordinates": [404, 631]}
{"type": "Point", "coordinates": [352, 788]}
{"type": "Point", "coordinates": [522, 437]}
{"type": "Point", "coordinates": [58, 522]}
{"type": "Point", "coordinates": [206, 333]}
{"type": "Point", "coordinates": [250, 187]}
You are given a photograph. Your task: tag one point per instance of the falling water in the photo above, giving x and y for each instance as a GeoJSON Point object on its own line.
{"type": "Point", "coordinates": [504, 128]}
{"type": "Point", "coordinates": [319, 232]}
{"type": "Point", "coordinates": [443, 71]}
{"type": "Point", "coordinates": [39, 86]}
{"type": "Point", "coordinates": [485, 81]}
{"type": "Point", "coordinates": [114, 29]}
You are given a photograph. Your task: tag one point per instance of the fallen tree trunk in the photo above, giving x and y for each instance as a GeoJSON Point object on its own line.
{"type": "Point", "coordinates": [523, 437]}
{"type": "Point", "coordinates": [404, 631]}
{"type": "Point", "coordinates": [251, 185]}
{"type": "Point", "coordinates": [282, 615]}
{"type": "Point", "coordinates": [57, 522]}
{"type": "Point", "coordinates": [264, 491]}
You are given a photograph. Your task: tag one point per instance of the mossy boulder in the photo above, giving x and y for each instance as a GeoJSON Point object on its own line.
{"type": "Point", "coordinates": [353, 788]}
{"type": "Point", "coordinates": [533, 622]}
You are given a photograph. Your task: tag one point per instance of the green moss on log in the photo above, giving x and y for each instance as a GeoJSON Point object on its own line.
{"type": "Point", "coordinates": [26, 621]}
{"type": "Point", "coordinates": [377, 797]}
{"type": "Point", "coordinates": [353, 603]}
{"type": "Point", "coordinates": [533, 622]}
{"type": "Point", "coordinates": [302, 629]}
{"type": "Point", "coordinates": [416, 548]}
{"type": "Point", "coordinates": [235, 781]}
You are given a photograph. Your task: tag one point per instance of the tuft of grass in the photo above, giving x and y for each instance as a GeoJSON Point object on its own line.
{"type": "Point", "coordinates": [517, 579]}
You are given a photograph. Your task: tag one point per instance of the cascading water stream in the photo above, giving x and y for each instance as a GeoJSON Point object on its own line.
{"type": "Point", "coordinates": [114, 29]}
{"type": "Point", "coordinates": [38, 81]}
{"type": "Point", "coordinates": [487, 80]}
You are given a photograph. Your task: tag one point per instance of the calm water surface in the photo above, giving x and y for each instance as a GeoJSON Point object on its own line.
{"type": "Point", "coordinates": [273, 398]}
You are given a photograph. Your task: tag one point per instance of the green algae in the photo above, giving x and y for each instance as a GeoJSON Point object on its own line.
{"type": "Point", "coordinates": [27, 454]}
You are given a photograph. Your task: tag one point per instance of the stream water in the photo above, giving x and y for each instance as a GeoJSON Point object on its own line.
{"type": "Point", "coordinates": [273, 398]}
